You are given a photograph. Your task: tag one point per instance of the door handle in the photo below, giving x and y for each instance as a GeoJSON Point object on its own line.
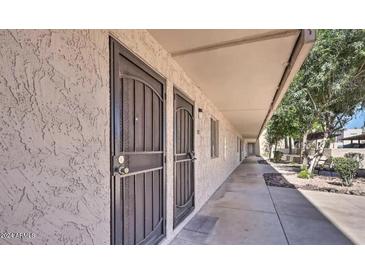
{"type": "Point", "coordinates": [122, 170]}
{"type": "Point", "coordinates": [192, 156]}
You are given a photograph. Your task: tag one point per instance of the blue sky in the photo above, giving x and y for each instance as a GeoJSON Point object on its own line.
{"type": "Point", "coordinates": [357, 121]}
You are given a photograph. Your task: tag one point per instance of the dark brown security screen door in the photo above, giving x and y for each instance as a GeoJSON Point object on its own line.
{"type": "Point", "coordinates": [240, 150]}
{"type": "Point", "coordinates": [137, 150]}
{"type": "Point", "coordinates": [184, 157]}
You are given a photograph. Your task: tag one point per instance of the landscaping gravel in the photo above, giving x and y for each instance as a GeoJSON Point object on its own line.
{"type": "Point", "coordinates": [287, 177]}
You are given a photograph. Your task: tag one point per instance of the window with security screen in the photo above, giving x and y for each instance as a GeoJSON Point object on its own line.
{"type": "Point", "coordinates": [214, 137]}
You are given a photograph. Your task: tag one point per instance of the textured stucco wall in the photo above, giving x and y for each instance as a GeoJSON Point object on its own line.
{"type": "Point", "coordinates": [54, 128]}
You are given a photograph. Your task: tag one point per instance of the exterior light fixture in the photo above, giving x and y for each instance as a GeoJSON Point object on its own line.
{"type": "Point", "coordinates": [200, 113]}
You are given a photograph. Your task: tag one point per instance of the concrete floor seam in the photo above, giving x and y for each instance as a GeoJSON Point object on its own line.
{"type": "Point", "coordinates": [245, 209]}
{"type": "Point", "coordinates": [277, 214]}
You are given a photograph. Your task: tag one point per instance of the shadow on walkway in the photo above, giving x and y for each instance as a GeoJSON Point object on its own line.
{"type": "Point", "coordinates": [244, 210]}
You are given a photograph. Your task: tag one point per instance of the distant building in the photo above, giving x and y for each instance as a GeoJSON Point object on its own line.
{"type": "Point", "coordinates": [347, 138]}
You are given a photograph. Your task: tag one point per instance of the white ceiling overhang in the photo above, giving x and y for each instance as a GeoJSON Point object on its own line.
{"type": "Point", "coordinates": [244, 72]}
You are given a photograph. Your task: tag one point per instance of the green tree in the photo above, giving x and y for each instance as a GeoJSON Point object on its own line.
{"type": "Point", "coordinates": [326, 93]}
{"type": "Point", "coordinates": [274, 132]}
{"type": "Point", "coordinates": [333, 77]}
{"type": "Point", "coordinates": [284, 123]}
{"type": "Point", "coordinates": [293, 118]}
{"type": "Point", "coordinates": [301, 115]}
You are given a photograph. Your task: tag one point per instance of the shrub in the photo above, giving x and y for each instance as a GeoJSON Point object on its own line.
{"type": "Point", "coordinates": [356, 156]}
{"type": "Point", "coordinates": [277, 156]}
{"type": "Point", "coordinates": [346, 169]}
{"type": "Point", "coordinates": [304, 174]}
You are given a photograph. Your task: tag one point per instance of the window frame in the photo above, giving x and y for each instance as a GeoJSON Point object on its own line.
{"type": "Point", "coordinates": [214, 138]}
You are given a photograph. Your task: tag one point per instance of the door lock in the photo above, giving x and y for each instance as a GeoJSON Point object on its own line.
{"type": "Point", "coordinates": [123, 170]}
{"type": "Point", "coordinates": [121, 159]}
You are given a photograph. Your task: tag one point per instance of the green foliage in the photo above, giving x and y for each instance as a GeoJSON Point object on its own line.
{"type": "Point", "coordinates": [333, 76]}
{"type": "Point", "coordinates": [356, 156]}
{"type": "Point", "coordinates": [304, 174]}
{"type": "Point", "coordinates": [291, 119]}
{"type": "Point", "coordinates": [298, 111]}
{"type": "Point", "coordinates": [330, 87]}
{"type": "Point", "coordinates": [328, 90]}
{"type": "Point", "coordinates": [273, 130]}
{"type": "Point", "coordinates": [346, 168]}
{"type": "Point", "coordinates": [277, 156]}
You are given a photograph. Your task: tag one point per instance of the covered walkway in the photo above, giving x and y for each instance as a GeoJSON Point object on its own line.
{"type": "Point", "coordinates": [246, 211]}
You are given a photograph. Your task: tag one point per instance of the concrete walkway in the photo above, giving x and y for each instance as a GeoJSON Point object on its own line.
{"type": "Point", "coordinates": [245, 211]}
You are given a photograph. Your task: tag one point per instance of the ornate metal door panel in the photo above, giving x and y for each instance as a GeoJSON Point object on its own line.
{"type": "Point", "coordinates": [241, 152]}
{"type": "Point", "coordinates": [137, 150]}
{"type": "Point", "coordinates": [184, 157]}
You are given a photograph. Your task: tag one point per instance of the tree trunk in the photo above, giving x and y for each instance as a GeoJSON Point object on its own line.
{"type": "Point", "coordinates": [290, 145]}
{"type": "Point", "coordinates": [270, 148]}
{"type": "Point", "coordinates": [318, 153]}
{"type": "Point", "coordinates": [304, 150]}
{"type": "Point", "coordinates": [300, 149]}
{"type": "Point", "coordinates": [276, 146]}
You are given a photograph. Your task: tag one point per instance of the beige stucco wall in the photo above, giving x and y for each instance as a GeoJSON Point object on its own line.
{"type": "Point", "coordinates": [54, 129]}
{"type": "Point", "coordinates": [340, 152]}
